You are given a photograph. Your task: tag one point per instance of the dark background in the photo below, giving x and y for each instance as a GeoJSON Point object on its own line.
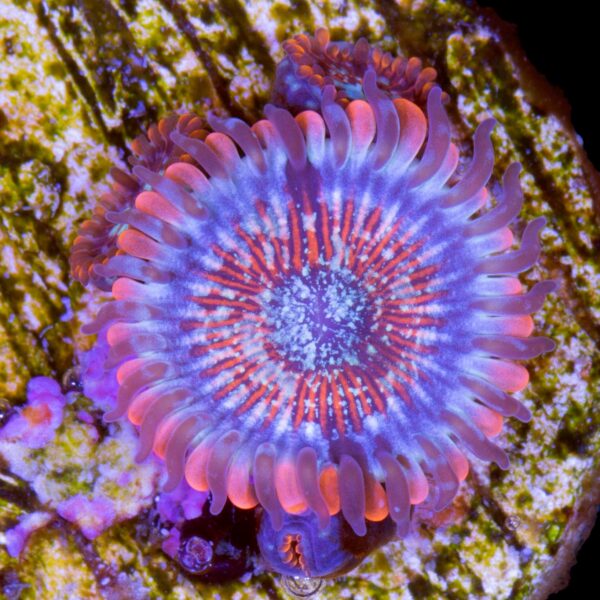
{"type": "Point", "coordinates": [562, 41]}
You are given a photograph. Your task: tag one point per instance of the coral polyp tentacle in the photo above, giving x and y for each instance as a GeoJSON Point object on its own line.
{"type": "Point", "coordinates": [96, 242]}
{"type": "Point", "coordinates": [308, 480]}
{"type": "Point", "coordinates": [264, 482]}
{"type": "Point", "coordinates": [338, 126]}
{"type": "Point", "coordinates": [311, 318]}
{"type": "Point", "coordinates": [290, 135]}
{"type": "Point", "coordinates": [396, 486]}
{"type": "Point", "coordinates": [438, 143]}
{"type": "Point", "coordinates": [241, 133]}
{"type": "Point", "coordinates": [175, 449]}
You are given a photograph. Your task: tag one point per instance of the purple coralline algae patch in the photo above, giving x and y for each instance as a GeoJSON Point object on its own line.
{"type": "Point", "coordinates": [174, 508]}
{"type": "Point", "coordinates": [183, 503]}
{"type": "Point", "coordinates": [89, 478]}
{"type": "Point", "coordinates": [99, 385]}
{"type": "Point", "coordinates": [170, 545]}
{"type": "Point", "coordinates": [91, 515]}
{"type": "Point", "coordinates": [35, 423]}
{"type": "Point", "coordinates": [16, 537]}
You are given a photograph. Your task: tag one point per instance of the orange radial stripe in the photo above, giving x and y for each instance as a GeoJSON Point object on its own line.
{"type": "Point", "coordinates": [416, 316]}
{"type": "Point", "coordinates": [299, 413]}
{"type": "Point", "coordinates": [374, 253]}
{"type": "Point", "coordinates": [325, 231]}
{"type": "Point", "coordinates": [416, 300]}
{"type": "Point", "coordinates": [291, 399]}
{"type": "Point", "coordinates": [405, 356]}
{"type": "Point", "coordinates": [211, 326]}
{"type": "Point", "coordinates": [379, 403]}
{"type": "Point", "coordinates": [233, 342]}
{"type": "Point", "coordinates": [409, 265]}
{"type": "Point", "coordinates": [323, 404]}
{"type": "Point", "coordinates": [223, 353]}
{"type": "Point", "coordinates": [283, 265]}
{"type": "Point", "coordinates": [225, 302]}
{"type": "Point", "coordinates": [257, 254]}
{"type": "Point", "coordinates": [335, 218]}
{"type": "Point", "coordinates": [273, 239]}
{"type": "Point", "coordinates": [423, 272]}
{"type": "Point", "coordinates": [255, 398]}
{"type": "Point", "coordinates": [351, 400]}
{"type": "Point", "coordinates": [404, 239]}
{"type": "Point", "coordinates": [365, 234]}
{"type": "Point", "coordinates": [393, 250]}
{"type": "Point", "coordinates": [312, 402]}
{"type": "Point", "coordinates": [363, 399]}
{"type": "Point", "coordinates": [399, 258]}
{"type": "Point", "coordinates": [247, 287]}
{"type": "Point", "coordinates": [231, 258]}
{"type": "Point", "coordinates": [337, 407]}
{"type": "Point", "coordinates": [347, 220]}
{"type": "Point", "coordinates": [265, 242]}
{"type": "Point", "coordinates": [218, 368]}
{"type": "Point", "coordinates": [399, 387]}
{"type": "Point", "coordinates": [402, 373]}
{"type": "Point", "coordinates": [405, 281]}
{"type": "Point", "coordinates": [311, 237]}
{"type": "Point", "coordinates": [415, 319]}
{"type": "Point", "coordinates": [296, 235]}
{"type": "Point", "coordinates": [211, 334]}
{"type": "Point", "coordinates": [400, 341]}
{"type": "Point", "coordinates": [236, 382]}
{"type": "Point", "coordinates": [275, 408]}
{"type": "Point", "coordinates": [223, 323]}
{"type": "Point", "coordinates": [408, 289]}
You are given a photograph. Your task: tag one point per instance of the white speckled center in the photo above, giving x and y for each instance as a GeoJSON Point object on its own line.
{"type": "Point", "coordinates": [318, 320]}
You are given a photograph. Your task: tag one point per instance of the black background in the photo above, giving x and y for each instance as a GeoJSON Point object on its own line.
{"type": "Point", "coordinates": [562, 41]}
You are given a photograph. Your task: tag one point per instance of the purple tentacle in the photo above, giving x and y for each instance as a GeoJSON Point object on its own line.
{"type": "Point", "coordinates": [438, 140]}
{"type": "Point", "coordinates": [506, 210]}
{"type": "Point", "coordinates": [244, 137]}
{"type": "Point", "coordinates": [386, 117]}
{"type": "Point", "coordinates": [201, 153]}
{"type": "Point", "coordinates": [337, 124]}
{"type": "Point", "coordinates": [479, 170]}
{"type": "Point", "coordinates": [514, 348]}
{"type": "Point", "coordinates": [290, 134]}
{"type": "Point", "coordinates": [518, 304]}
{"type": "Point", "coordinates": [519, 260]}
{"type": "Point", "coordinates": [496, 399]}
